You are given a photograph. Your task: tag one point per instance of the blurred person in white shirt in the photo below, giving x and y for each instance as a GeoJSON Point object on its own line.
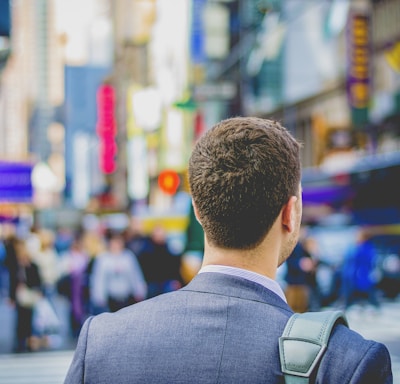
{"type": "Point", "coordinates": [46, 258]}
{"type": "Point", "coordinates": [117, 278]}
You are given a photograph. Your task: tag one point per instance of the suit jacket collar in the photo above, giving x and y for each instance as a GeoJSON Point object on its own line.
{"type": "Point", "coordinates": [234, 286]}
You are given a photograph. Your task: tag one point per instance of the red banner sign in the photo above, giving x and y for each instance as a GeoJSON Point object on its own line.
{"type": "Point", "coordinates": [107, 128]}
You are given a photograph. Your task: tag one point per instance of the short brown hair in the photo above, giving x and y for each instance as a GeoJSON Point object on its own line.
{"type": "Point", "coordinates": [241, 173]}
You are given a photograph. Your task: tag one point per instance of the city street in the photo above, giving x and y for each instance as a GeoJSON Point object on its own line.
{"type": "Point", "coordinates": [50, 367]}
{"type": "Point", "coordinates": [270, 115]}
{"type": "Point", "coordinates": [35, 368]}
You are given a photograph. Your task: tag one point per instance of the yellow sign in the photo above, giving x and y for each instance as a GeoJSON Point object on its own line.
{"type": "Point", "coordinates": [358, 78]}
{"type": "Point", "coordinates": [392, 56]}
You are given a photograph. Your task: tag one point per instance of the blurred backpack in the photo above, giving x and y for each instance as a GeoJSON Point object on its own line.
{"type": "Point", "coordinates": [304, 341]}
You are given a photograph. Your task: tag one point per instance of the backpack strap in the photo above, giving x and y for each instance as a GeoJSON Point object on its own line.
{"type": "Point", "coordinates": [304, 341]}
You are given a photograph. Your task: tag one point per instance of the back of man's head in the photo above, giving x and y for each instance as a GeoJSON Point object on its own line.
{"type": "Point", "coordinates": [241, 173]}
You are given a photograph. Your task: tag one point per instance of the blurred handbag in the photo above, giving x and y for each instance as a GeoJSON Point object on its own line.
{"type": "Point", "coordinates": [45, 319]}
{"type": "Point", "coordinates": [27, 297]}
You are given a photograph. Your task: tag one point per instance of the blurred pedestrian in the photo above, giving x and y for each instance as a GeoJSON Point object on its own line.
{"type": "Point", "coordinates": [299, 277]}
{"type": "Point", "coordinates": [9, 241]}
{"type": "Point", "coordinates": [3, 269]}
{"type": "Point", "coordinates": [117, 279]}
{"type": "Point", "coordinates": [71, 282]}
{"type": "Point", "coordinates": [47, 259]}
{"type": "Point", "coordinates": [25, 292]}
{"type": "Point", "coordinates": [32, 239]}
{"type": "Point", "coordinates": [315, 298]}
{"type": "Point", "coordinates": [359, 273]}
{"type": "Point", "coordinates": [63, 239]}
{"type": "Point", "coordinates": [93, 245]}
{"type": "Point", "coordinates": [297, 291]}
{"type": "Point", "coordinates": [135, 238]}
{"type": "Point", "coordinates": [161, 268]}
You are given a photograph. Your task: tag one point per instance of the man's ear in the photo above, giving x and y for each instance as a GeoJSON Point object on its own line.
{"type": "Point", "coordinates": [289, 215]}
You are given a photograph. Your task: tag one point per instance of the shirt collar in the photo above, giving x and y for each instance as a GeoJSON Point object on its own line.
{"type": "Point", "coordinates": [266, 282]}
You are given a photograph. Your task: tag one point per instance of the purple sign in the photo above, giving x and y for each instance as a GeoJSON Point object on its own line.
{"type": "Point", "coordinates": [15, 182]}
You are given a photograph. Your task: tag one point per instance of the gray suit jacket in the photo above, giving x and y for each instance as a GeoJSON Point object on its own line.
{"type": "Point", "coordinates": [217, 329]}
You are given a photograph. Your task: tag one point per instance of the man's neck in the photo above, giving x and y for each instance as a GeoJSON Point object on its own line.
{"type": "Point", "coordinates": [262, 259]}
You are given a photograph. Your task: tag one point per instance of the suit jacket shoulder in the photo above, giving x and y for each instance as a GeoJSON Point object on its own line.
{"type": "Point", "coordinates": [351, 359]}
{"type": "Point", "coordinates": [217, 329]}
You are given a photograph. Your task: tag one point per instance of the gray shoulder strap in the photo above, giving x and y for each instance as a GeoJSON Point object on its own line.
{"type": "Point", "coordinates": [304, 341]}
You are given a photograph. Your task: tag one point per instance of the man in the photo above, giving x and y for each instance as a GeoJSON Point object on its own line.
{"type": "Point", "coordinates": [223, 327]}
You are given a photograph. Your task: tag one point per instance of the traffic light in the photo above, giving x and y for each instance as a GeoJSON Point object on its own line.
{"type": "Point", "coordinates": [168, 181]}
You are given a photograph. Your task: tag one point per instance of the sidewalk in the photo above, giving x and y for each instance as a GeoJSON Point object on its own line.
{"type": "Point", "coordinates": [35, 368]}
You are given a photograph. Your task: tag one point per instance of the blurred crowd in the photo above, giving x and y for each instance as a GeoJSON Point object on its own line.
{"type": "Point", "coordinates": [362, 278]}
{"type": "Point", "coordinates": [95, 271]}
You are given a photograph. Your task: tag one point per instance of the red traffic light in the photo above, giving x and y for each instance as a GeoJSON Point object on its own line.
{"type": "Point", "coordinates": [168, 181]}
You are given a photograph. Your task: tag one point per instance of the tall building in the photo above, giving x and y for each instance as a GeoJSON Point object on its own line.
{"type": "Point", "coordinates": [5, 30]}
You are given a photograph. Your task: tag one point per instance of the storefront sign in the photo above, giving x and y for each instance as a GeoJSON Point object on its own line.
{"type": "Point", "coordinates": [359, 61]}
{"type": "Point", "coordinates": [15, 182]}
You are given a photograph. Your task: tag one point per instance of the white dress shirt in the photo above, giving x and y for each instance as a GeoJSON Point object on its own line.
{"type": "Point", "coordinates": [266, 282]}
